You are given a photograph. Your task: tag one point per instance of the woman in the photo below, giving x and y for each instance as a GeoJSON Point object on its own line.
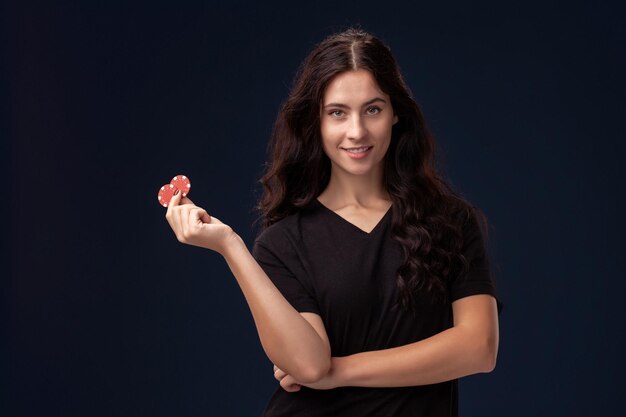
{"type": "Point", "coordinates": [370, 285]}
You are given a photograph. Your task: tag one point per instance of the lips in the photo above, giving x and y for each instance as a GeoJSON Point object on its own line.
{"type": "Point", "coordinates": [358, 153]}
{"type": "Point", "coordinates": [358, 150]}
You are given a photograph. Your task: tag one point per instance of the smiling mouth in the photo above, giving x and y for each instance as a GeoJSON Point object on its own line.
{"type": "Point", "coordinates": [358, 150]}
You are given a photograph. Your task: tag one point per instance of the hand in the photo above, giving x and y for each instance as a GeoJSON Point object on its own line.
{"type": "Point", "coordinates": [289, 383]}
{"type": "Point", "coordinates": [193, 225]}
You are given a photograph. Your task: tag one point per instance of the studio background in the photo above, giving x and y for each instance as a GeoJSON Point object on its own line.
{"type": "Point", "coordinates": [105, 313]}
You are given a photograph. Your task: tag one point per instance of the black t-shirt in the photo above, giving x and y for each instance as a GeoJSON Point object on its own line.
{"type": "Point", "coordinates": [323, 264]}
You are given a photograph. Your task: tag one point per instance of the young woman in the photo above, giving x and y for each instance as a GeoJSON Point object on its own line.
{"type": "Point", "coordinates": [369, 284]}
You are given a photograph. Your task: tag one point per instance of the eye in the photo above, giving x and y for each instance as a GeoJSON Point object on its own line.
{"type": "Point", "coordinates": [373, 110]}
{"type": "Point", "coordinates": [334, 113]}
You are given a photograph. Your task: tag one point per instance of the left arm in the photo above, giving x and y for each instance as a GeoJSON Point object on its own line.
{"type": "Point", "coordinates": [469, 347]}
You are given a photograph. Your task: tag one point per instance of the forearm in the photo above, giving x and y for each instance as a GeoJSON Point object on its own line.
{"type": "Point", "coordinates": [289, 341]}
{"type": "Point", "coordinates": [451, 354]}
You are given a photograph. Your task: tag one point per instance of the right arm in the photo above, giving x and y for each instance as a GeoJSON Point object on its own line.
{"type": "Point", "coordinates": [294, 342]}
{"type": "Point", "coordinates": [286, 336]}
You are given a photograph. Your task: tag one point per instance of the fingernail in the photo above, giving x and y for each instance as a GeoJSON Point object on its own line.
{"type": "Point", "coordinates": [176, 192]}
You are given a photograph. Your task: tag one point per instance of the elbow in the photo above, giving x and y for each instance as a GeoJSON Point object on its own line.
{"type": "Point", "coordinates": [489, 355]}
{"type": "Point", "coordinates": [489, 364]}
{"type": "Point", "coordinates": [482, 352]}
{"type": "Point", "coordinates": [306, 367]}
{"type": "Point", "coordinates": [312, 373]}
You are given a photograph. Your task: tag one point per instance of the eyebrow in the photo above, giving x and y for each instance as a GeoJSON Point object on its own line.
{"type": "Point", "coordinates": [375, 99]}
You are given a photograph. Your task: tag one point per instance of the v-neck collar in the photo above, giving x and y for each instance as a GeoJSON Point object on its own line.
{"type": "Point", "coordinates": [352, 225]}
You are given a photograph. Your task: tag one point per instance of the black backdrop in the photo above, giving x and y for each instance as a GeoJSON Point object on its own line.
{"type": "Point", "coordinates": [104, 313]}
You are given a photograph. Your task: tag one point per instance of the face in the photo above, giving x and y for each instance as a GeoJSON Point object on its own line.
{"type": "Point", "coordinates": [355, 123]}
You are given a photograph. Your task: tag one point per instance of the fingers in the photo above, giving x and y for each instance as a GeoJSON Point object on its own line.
{"type": "Point", "coordinates": [174, 201]}
{"type": "Point", "coordinates": [186, 200]}
{"type": "Point", "coordinates": [178, 214]}
{"type": "Point", "coordinates": [279, 374]}
{"type": "Point", "coordinates": [184, 220]}
{"type": "Point", "coordinates": [194, 226]}
{"type": "Point", "coordinates": [172, 217]}
{"type": "Point", "coordinates": [199, 216]}
{"type": "Point", "coordinates": [192, 218]}
{"type": "Point", "coordinates": [289, 384]}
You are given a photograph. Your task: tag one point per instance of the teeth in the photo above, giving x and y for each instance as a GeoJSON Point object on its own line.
{"type": "Point", "coordinates": [358, 150]}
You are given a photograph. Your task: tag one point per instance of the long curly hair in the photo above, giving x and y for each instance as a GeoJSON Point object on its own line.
{"type": "Point", "coordinates": [428, 216]}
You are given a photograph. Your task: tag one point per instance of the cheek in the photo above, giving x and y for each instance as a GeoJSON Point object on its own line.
{"type": "Point", "coordinates": [382, 130]}
{"type": "Point", "coordinates": [384, 135]}
{"type": "Point", "coordinates": [325, 142]}
{"type": "Point", "coordinates": [386, 148]}
{"type": "Point", "coordinates": [328, 135]}
{"type": "Point", "coordinates": [325, 148]}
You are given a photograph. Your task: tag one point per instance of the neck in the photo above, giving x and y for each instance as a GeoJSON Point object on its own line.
{"type": "Point", "coordinates": [345, 189]}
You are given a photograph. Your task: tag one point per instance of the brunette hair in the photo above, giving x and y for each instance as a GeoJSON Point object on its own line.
{"type": "Point", "coordinates": [428, 216]}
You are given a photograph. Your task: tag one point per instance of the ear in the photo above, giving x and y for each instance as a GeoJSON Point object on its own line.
{"type": "Point", "coordinates": [395, 119]}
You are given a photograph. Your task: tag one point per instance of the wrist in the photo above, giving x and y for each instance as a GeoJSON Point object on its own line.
{"type": "Point", "coordinates": [232, 243]}
{"type": "Point", "coordinates": [340, 369]}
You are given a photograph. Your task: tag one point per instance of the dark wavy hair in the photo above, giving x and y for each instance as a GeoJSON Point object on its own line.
{"type": "Point", "coordinates": [428, 216]}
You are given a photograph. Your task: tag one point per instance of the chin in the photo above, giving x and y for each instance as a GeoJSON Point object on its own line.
{"type": "Point", "coordinates": [358, 171]}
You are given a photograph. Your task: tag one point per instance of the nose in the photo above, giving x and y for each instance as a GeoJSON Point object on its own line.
{"type": "Point", "coordinates": [356, 128]}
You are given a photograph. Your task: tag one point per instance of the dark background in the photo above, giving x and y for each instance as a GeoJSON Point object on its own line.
{"type": "Point", "coordinates": [105, 313]}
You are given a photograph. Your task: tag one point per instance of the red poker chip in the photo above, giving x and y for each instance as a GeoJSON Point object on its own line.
{"type": "Point", "coordinates": [165, 194]}
{"type": "Point", "coordinates": [182, 183]}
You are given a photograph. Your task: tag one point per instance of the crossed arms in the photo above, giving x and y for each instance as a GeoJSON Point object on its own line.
{"type": "Point", "coordinates": [303, 356]}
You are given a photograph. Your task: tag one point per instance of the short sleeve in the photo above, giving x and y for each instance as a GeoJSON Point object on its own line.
{"type": "Point", "coordinates": [280, 265]}
{"type": "Point", "coordinates": [479, 277]}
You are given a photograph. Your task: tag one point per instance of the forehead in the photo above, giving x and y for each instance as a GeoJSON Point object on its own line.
{"type": "Point", "coordinates": [352, 87]}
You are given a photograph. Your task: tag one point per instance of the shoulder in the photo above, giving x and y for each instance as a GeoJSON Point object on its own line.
{"type": "Point", "coordinates": [473, 226]}
{"type": "Point", "coordinates": [273, 244]}
{"type": "Point", "coordinates": [278, 231]}
{"type": "Point", "coordinates": [470, 218]}
{"type": "Point", "coordinates": [475, 223]}
{"type": "Point", "coordinates": [288, 230]}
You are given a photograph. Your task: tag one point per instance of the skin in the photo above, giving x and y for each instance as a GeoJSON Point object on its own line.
{"type": "Point", "coordinates": [289, 340]}
{"type": "Point", "coordinates": [355, 112]}
{"type": "Point", "coordinates": [297, 343]}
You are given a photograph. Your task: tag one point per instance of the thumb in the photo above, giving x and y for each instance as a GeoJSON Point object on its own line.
{"type": "Point", "coordinates": [204, 216]}
{"type": "Point", "coordinates": [176, 199]}
{"type": "Point", "coordinates": [185, 200]}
